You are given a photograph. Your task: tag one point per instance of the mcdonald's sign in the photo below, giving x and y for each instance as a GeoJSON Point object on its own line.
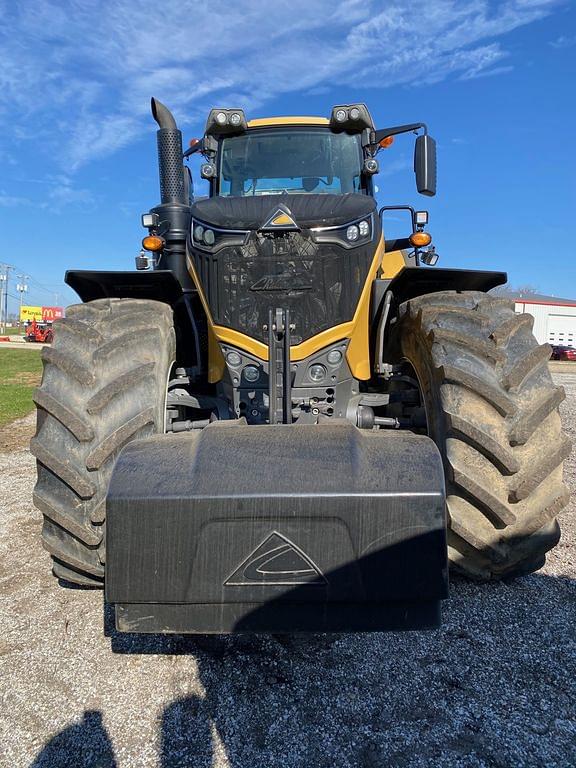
{"type": "Point", "coordinates": [51, 313]}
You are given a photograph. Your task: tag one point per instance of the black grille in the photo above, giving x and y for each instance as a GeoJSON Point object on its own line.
{"type": "Point", "coordinates": [320, 284]}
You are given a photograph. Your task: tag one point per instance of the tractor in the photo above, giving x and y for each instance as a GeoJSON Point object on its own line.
{"type": "Point", "coordinates": [40, 332]}
{"type": "Point", "coordinates": [281, 420]}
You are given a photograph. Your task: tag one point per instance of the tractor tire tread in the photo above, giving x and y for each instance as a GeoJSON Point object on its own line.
{"type": "Point", "coordinates": [497, 425]}
{"type": "Point", "coordinates": [87, 411]}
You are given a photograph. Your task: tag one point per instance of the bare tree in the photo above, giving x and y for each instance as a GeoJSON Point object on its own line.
{"type": "Point", "coordinates": [509, 290]}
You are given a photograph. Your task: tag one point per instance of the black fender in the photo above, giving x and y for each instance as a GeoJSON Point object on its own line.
{"type": "Point", "coordinates": [416, 281]}
{"type": "Point", "coordinates": [387, 295]}
{"type": "Point", "coordinates": [158, 285]}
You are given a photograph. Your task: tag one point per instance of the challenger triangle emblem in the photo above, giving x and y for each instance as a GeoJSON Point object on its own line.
{"type": "Point", "coordinates": [280, 219]}
{"type": "Point", "coordinates": [276, 561]}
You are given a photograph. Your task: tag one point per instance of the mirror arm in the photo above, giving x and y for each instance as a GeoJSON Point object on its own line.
{"type": "Point", "coordinates": [192, 150]}
{"type": "Point", "coordinates": [383, 133]}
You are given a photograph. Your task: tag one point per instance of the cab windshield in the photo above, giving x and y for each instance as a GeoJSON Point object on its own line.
{"type": "Point", "coordinates": [294, 160]}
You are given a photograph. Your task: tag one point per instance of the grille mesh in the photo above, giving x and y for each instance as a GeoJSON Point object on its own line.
{"type": "Point", "coordinates": [319, 284]}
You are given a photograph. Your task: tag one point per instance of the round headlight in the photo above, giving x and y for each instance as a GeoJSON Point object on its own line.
{"type": "Point", "coordinates": [209, 237]}
{"type": "Point", "coordinates": [371, 165]}
{"type": "Point", "coordinates": [198, 232]}
{"type": "Point", "coordinates": [341, 115]}
{"type": "Point", "coordinates": [352, 233]}
{"type": "Point", "coordinates": [221, 118]}
{"type": "Point", "coordinates": [334, 357]}
{"type": "Point", "coordinates": [251, 373]}
{"type": "Point", "coordinates": [354, 113]}
{"type": "Point", "coordinates": [317, 372]}
{"type": "Point", "coordinates": [207, 170]}
{"type": "Point", "coordinates": [233, 359]}
{"type": "Point", "coordinates": [364, 228]}
{"type": "Point", "coordinates": [235, 118]}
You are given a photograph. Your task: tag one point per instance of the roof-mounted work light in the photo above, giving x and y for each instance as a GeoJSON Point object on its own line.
{"type": "Point", "coordinates": [351, 117]}
{"type": "Point", "coordinates": [223, 121]}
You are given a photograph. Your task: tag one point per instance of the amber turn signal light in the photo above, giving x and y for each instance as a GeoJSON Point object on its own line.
{"type": "Point", "coordinates": [419, 239]}
{"type": "Point", "coordinates": [153, 243]}
{"type": "Point", "coordinates": [386, 142]}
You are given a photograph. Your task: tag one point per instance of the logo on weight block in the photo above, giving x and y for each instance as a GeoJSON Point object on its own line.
{"type": "Point", "coordinates": [277, 561]}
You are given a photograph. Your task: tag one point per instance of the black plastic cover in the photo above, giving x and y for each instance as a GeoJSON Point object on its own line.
{"type": "Point", "coordinates": [277, 528]}
{"type": "Point", "coordinates": [308, 210]}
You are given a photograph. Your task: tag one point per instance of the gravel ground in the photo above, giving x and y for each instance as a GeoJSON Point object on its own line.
{"type": "Point", "coordinates": [496, 686]}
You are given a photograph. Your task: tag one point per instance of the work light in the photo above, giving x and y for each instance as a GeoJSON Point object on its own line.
{"type": "Point", "coordinates": [207, 170]}
{"type": "Point", "coordinates": [351, 117]}
{"type": "Point", "coordinates": [224, 121]}
{"type": "Point", "coordinates": [371, 166]}
{"type": "Point", "coordinates": [150, 220]}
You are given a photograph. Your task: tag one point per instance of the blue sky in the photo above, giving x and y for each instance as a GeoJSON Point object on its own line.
{"type": "Point", "coordinates": [493, 80]}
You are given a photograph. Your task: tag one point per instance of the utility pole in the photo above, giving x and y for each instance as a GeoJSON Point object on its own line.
{"type": "Point", "coordinates": [5, 280]}
{"type": "Point", "coordinates": [3, 286]}
{"type": "Point", "coordinates": [21, 288]}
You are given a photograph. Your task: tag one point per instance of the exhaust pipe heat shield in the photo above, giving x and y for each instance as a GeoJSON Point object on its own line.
{"type": "Point", "coordinates": [277, 528]}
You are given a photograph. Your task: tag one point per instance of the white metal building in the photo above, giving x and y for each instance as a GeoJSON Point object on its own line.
{"type": "Point", "coordinates": [554, 318]}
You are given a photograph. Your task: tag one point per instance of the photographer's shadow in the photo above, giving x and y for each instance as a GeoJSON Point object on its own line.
{"type": "Point", "coordinates": [83, 745]}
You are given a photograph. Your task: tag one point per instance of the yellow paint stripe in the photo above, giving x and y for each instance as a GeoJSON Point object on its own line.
{"type": "Point", "coordinates": [263, 122]}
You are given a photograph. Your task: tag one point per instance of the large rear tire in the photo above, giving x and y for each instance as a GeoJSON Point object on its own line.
{"type": "Point", "coordinates": [104, 384]}
{"type": "Point", "coordinates": [492, 409]}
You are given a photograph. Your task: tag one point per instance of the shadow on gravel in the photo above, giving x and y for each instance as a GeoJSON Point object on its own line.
{"type": "Point", "coordinates": [495, 687]}
{"type": "Point", "coordinates": [82, 745]}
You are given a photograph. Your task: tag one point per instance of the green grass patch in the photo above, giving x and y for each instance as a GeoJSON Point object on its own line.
{"type": "Point", "coordinates": [13, 332]}
{"type": "Point", "coordinates": [20, 373]}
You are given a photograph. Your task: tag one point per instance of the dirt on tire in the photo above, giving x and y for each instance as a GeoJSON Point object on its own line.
{"type": "Point", "coordinates": [104, 384]}
{"type": "Point", "coordinates": [492, 409]}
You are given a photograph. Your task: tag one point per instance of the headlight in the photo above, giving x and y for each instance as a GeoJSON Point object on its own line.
{"type": "Point", "coordinates": [317, 373]}
{"type": "Point", "coordinates": [251, 374]}
{"type": "Point", "coordinates": [209, 238]}
{"type": "Point", "coordinates": [334, 357]}
{"type": "Point", "coordinates": [233, 359]}
{"type": "Point", "coordinates": [351, 235]}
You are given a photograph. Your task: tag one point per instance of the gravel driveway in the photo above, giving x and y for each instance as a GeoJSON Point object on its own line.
{"type": "Point", "coordinates": [496, 686]}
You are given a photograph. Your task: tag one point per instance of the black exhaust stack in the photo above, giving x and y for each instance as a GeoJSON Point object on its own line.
{"type": "Point", "coordinates": [169, 155]}
{"type": "Point", "coordinates": [174, 208]}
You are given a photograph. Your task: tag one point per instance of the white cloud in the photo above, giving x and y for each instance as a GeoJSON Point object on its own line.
{"type": "Point", "coordinates": [77, 75]}
{"type": "Point", "coordinates": [563, 41]}
{"type": "Point", "coordinates": [59, 193]}
{"type": "Point", "coordinates": [13, 201]}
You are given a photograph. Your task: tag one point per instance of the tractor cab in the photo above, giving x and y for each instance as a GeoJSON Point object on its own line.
{"type": "Point", "coordinates": [285, 249]}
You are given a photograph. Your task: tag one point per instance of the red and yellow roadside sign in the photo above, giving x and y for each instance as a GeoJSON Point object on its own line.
{"type": "Point", "coordinates": [40, 314]}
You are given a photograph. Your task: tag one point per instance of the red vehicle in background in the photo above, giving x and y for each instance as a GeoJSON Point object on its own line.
{"type": "Point", "coordinates": [564, 353]}
{"type": "Point", "coordinates": [39, 332]}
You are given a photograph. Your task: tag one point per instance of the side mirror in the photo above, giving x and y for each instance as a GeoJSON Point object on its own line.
{"type": "Point", "coordinates": [425, 165]}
